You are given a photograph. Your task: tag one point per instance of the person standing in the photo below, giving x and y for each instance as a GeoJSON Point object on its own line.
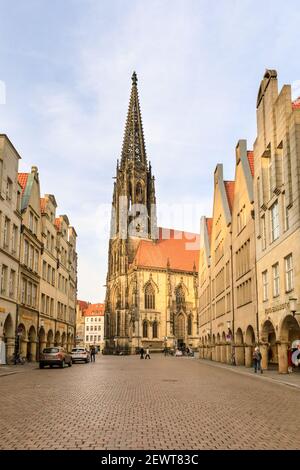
{"type": "Point", "coordinates": [93, 353]}
{"type": "Point", "coordinates": [142, 352]}
{"type": "Point", "coordinates": [257, 360]}
{"type": "Point", "coordinates": [147, 356]}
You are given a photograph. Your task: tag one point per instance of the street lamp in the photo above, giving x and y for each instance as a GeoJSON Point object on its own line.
{"type": "Point", "coordinates": [293, 306]}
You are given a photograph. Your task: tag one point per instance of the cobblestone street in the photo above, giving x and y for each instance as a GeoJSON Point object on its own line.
{"type": "Point", "coordinates": [164, 403]}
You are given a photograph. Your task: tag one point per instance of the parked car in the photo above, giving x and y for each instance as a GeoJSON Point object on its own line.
{"type": "Point", "coordinates": [80, 354]}
{"type": "Point", "coordinates": [55, 356]}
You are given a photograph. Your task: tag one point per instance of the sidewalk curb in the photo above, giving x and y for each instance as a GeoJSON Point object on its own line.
{"type": "Point", "coordinates": [8, 373]}
{"type": "Point", "coordinates": [236, 370]}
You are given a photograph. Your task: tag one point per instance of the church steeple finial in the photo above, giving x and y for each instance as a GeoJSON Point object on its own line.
{"type": "Point", "coordinates": [134, 78]}
{"type": "Point", "coordinates": [134, 149]}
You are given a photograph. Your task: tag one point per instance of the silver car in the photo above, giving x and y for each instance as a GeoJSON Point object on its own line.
{"type": "Point", "coordinates": [55, 356]}
{"type": "Point", "coordinates": [80, 355]}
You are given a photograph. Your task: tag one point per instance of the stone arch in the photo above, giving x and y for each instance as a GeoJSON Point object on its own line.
{"type": "Point", "coordinates": [249, 346]}
{"type": "Point", "coordinates": [289, 332]}
{"type": "Point", "coordinates": [9, 338]}
{"type": "Point", "coordinates": [8, 327]}
{"type": "Point", "coordinates": [250, 336]}
{"type": "Point", "coordinates": [57, 339]}
{"type": "Point", "coordinates": [268, 335]}
{"type": "Point", "coordinates": [240, 348]}
{"type": "Point", "coordinates": [289, 329]}
{"type": "Point", "coordinates": [50, 339]}
{"type": "Point", "coordinates": [63, 339]}
{"type": "Point", "coordinates": [31, 344]}
{"type": "Point", "coordinates": [41, 340]}
{"type": "Point", "coordinates": [69, 345]}
{"type": "Point", "coordinates": [223, 347]}
{"type": "Point", "coordinates": [22, 341]}
{"type": "Point", "coordinates": [218, 348]}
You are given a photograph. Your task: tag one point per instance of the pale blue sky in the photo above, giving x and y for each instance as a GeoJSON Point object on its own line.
{"type": "Point", "coordinates": [67, 66]}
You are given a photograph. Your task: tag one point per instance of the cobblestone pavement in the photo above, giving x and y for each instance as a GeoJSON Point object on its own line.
{"type": "Point", "coordinates": [128, 403]}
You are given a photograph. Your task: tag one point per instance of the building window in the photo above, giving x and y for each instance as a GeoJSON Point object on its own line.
{"type": "Point", "coordinates": [87, 328]}
{"type": "Point", "coordinates": [26, 251]}
{"type": "Point", "coordinates": [31, 251]}
{"type": "Point", "coordinates": [87, 338]}
{"type": "Point", "coordinates": [274, 222]}
{"type": "Point", "coordinates": [145, 329]}
{"type": "Point", "coordinates": [263, 233]}
{"type": "Point", "coordinates": [155, 330]}
{"type": "Point", "coordinates": [6, 233]}
{"type": "Point", "coordinates": [149, 297]}
{"type": "Point", "coordinates": [36, 261]}
{"type": "Point", "coordinates": [9, 186]}
{"type": "Point", "coordinates": [29, 289]}
{"type": "Point", "coordinates": [99, 338]}
{"type": "Point", "coordinates": [3, 279]}
{"type": "Point", "coordinates": [289, 273]}
{"type": "Point", "coordinates": [265, 285]}
{"type": "Point", "coordinates": [43, 306]}
{"type": "Point", "coordinates": [12, 282]}
{"type": "Point", "coordinates": [180, 297]}
{"type": "Point", "coordinates": [23, 291]}
{"type": "Point", "coordinates": [276, 288]}
{"type": "Point", "coordinates": [92, 328]}
{"type": "Point", "coordinates": [34, 296]}
{"type": "Point", "coordinates": [14, 240]}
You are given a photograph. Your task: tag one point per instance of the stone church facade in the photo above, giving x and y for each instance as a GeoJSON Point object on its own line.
{"type": "Point", "coordinates": [152, 279]}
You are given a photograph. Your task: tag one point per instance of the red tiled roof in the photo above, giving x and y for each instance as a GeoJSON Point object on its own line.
{"type": "Point", "coordinates": [94, 310]}
{"type": "Point", "coordinates": [43, 205]}
{"type": "Point", "coordinates": [57, 224]}
{"type": "Point", "coordinates": [180, 249]}
{"type": "Point", "coordinates": [250, 156]}
{"type": "Point", "coordinates": [209, 223]}
{"type": "Point", "coordinates": [296, 103]}
{"type": "Point", "coordinates": [22, 178]}
{"type": "Point", "coordinates": [83, 305]}
{"type": "Point", "coordinates": [229, 187]}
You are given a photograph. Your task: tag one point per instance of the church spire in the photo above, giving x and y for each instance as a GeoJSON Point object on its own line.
{"type": "Point", "coordinates": [133, 144]}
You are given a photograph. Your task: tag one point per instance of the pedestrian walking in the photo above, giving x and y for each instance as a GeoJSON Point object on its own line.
{"type": "Point", "coordinates": [147, 356]}
{"type": "Point", "coordinates": [257, 360]}
{"type": "Point", "coordinates": [93, 354]}
{"type": "Point", "coordinates": [142, 352]}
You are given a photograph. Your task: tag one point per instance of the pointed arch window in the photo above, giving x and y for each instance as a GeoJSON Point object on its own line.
{"type": "Point", "coordinates": [139, 193]}
{"type": "Point", "coordinates": [149, 297]}
{"type": "Point", "coordinates": [180, 297]}
{"type": "Point", "coordinates": [155, 329]}
{"type": "Point", "coordinates": [145, 329]}
{"type": "Point", "coordinates": [189, 325]}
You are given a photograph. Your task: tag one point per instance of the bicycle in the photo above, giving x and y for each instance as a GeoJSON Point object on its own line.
{"type": "Point", "coordinates": [18, 359]}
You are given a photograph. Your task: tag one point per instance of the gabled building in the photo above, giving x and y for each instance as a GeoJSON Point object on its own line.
{"type": "Point", "coordinates": [10, 224]}
{"type": "Point", "coordinates": [244, 315]}
{"type": "Point", "coordinates": [30, 258]}
{"type": "Point", "coordinates": [277, 219]}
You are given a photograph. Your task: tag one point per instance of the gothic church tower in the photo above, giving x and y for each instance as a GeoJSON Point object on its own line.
{"type": "Point", "coordinates": [133, 218]}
